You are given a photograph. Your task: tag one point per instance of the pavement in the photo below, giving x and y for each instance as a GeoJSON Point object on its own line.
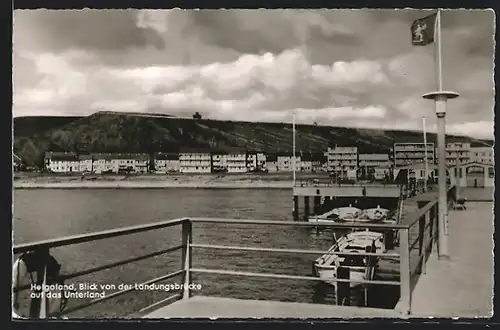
{"type": "Point", "coordinates": [215, 307]}
{"type": "Point", "coordinates": [463, 285]}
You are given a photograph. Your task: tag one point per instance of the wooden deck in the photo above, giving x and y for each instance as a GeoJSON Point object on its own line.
{"type": "Point", "coordinates": [215, 307]}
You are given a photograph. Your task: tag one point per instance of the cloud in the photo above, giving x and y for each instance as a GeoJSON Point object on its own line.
{"type": "Point", "coordinates": [340, 67]}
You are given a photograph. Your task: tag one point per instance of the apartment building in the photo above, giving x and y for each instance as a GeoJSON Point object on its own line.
{"type": "Point", "coordinates": [285, 162]}
{"type": "Point", "coordinates": [342, 160]}
{"type": "Point", "coordinates": [61, 162]}
{"type": "Point", "coordinates": [482, 155]}
{"type": "Point", "coordinates": [256, 161]}
{"type": "Point", "coordinates": [167, 163]}
{"type": "Point", "coordinates": [236, 162]}
{"type": "Point", "coordinates": [99, 163]}
{"type": "Point", "coordinates": [195, 162]}
{"type": "Point", "coordinates": [374, 165]}
{"type": "Point", "coordinates": [123, 163]}
{"type": "Point", "coordinates": [413, 153]}
{"type": "Point", "coordinates": [219, 162]}
{"type": "Point", "coordinates": [456, 150]}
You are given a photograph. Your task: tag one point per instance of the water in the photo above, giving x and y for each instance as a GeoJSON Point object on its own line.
{"type": "Point", "coordinates": [42, 214]}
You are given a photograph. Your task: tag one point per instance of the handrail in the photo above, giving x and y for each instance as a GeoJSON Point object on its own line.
{"type": "Point", "coordinates": [414, 217]}
{"type": "Point", "coordinates": [294, 251]}
{"type": "Point", "coordinates": [76, 239]}
{"type": "Point", "coordinates": [346, 225]}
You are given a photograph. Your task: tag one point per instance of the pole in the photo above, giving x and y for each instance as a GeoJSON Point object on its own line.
{"type": "Point", "coordinates": [294, 160]}
{"type": "Point", "coordinates": [441, 130]}
{"type": "Point", "coordinates": [425, 155]}
{"type": "Point", "coordinates": [440, 97]}
{"type": "Point", "coordinates": [439, 52]}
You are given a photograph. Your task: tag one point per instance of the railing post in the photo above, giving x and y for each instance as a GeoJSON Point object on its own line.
{"type": "Point", "coordinates": [187, 239]}
{"type": "Point", "coordinates": [423, 267]}
{"type": "Point", "coordinates": [404, 270]}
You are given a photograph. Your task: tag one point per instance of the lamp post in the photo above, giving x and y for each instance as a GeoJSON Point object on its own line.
{"type": "Point", "coordinates": [440, 98]}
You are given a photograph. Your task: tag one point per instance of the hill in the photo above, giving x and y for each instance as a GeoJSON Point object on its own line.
{"type": "Point", "coordinates": [123, 132]}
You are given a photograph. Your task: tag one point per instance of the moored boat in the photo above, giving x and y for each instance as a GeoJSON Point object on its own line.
{"type": "Point", "coordinates": [337, 214]}
{"type": "Point", "coordinates": [360, 267]}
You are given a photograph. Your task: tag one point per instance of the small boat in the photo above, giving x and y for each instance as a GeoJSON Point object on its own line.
{"type": "Point", "coordinates": [360, 267]}
{"type": "Point", "coordinates": [337, 214]}
{"type": "Point", "coordinates": [375, 214]}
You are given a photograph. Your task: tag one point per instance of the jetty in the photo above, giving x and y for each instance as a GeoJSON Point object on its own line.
{"type": "Point", "coordinates": [427, 285]}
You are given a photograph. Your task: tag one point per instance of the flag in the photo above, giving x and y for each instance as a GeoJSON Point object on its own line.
{"type": "Point", "coordinates": [422, 30]}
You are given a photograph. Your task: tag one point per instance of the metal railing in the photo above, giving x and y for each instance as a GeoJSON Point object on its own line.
{"type": "Point", "coordinates": [423, 223]}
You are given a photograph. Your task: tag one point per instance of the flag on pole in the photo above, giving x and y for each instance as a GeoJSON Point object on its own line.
{"type": "Point", "coordinates": [422, 30]}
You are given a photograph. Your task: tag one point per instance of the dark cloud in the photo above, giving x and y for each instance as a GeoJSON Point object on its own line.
{"type": "Point", "coordinates": [91, 30]}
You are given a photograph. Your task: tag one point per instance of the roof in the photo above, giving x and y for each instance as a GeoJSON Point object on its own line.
{"type": "Point", "coordinates": [472, 164]}
{"type": "Point", "coordinates": [271, 157]}
{"type": "Point", "coordinates": [61, 156]}
{"type": "Point", "coordinates": [167, 156]}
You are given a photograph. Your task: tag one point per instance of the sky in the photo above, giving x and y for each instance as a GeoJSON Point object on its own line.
{"type": "Point", "coordinates": [353, 68]}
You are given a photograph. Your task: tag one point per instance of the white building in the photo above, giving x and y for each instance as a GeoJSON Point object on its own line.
{"type": "Point", "coordinates": [61, 162]}
{"type": "Point", "coordinates": [219, 162]}
{"type": "Point", "coordinates": [413, 153]}
{"type": "Point", "coordinates": [374, 160]}
{"type": "Point", "coordinates": [86, 163]}
{"type": "Point", "coordinates": [285, 162]}
{"type": "Point", "coordinates": [102, 163]}
{"type": "Point", "coordinates": [123, 163]}
{"type": "Point", "coordinates": [142, 162]}
{"type": "Point", "coordinates": [482, 155]}
{"type": "Point", "coordinates": [167, 163]}
{"type": "Point", "coordinates": [342, 160]}
{"type": "Point", "coordinates": [256, 161]}
{"type": "Point", "coordinates": [457, 150]}
{"type": "Point", "coordinates": [195, 162]}
{"type": "Point", "coordinates": [236, 162]}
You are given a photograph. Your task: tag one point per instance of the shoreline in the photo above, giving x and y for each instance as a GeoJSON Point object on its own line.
{"type": "Point", "coordinates": [110, 185]}
{"type": "Point", "coordinates": [157, 182]}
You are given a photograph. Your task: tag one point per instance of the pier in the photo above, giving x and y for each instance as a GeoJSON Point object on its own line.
{"type": "Point", "coordinates": [427, 286]}
{"type": "Point", "coordinates": [327, 195]}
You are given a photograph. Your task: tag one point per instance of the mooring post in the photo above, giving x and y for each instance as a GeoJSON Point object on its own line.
{"type": "Point", "coordinates": [317, 205]}
{"type": "Point", "coordinates": [326, 204]}
{"type": "Point", "coordinates": [343, 294]}
{"type": "Point", "coordinates": [295, 208]}
{"type": "Point", "coordinates": [306, 208]}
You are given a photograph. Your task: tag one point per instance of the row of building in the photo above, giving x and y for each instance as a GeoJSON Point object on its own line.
{"type": "Point", "coordinates": [461, 152]}
{"type": "Point", "coordinates": [345, 161]}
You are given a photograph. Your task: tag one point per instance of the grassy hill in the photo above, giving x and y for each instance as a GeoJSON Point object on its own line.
{"type": "Point", "coordinates": [122, 132]}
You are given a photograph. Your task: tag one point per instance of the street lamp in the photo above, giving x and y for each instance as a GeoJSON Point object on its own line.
{"type": "Point", "coordinates": [440, 98]}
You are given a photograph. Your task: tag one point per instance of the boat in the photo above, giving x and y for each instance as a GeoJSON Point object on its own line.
{"type": "Point", "coordinates": [338, 214]}
{"type": "Point", "coordinates": [360, 267]}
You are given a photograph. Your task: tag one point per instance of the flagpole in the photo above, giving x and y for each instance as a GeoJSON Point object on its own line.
{"type": "Point", "coordinates": [425, 155]}
{"type": "Point", "coordinates": [440, 98]}
{"type": "Point", "coordinates": [294, 160]}
{"type": "Point", "coordinates": [439, 51]}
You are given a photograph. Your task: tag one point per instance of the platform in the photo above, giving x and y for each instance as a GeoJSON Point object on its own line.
{"type": "Point", "coordinates": [215, 307]}
{"type": "Point", "coordinates": [463, 285]}
{"type": "Point", "coordinates": [367, 190]}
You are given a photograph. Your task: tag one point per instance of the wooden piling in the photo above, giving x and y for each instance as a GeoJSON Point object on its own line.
{"type": "Point", "coordinates": [295, 208]}
{"type": "Point", "coordinates": [317, 205]}
{"type": "Point", "coordinates": [306, 208]}
{"type": "Point", "coordinates": [343, 294]}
